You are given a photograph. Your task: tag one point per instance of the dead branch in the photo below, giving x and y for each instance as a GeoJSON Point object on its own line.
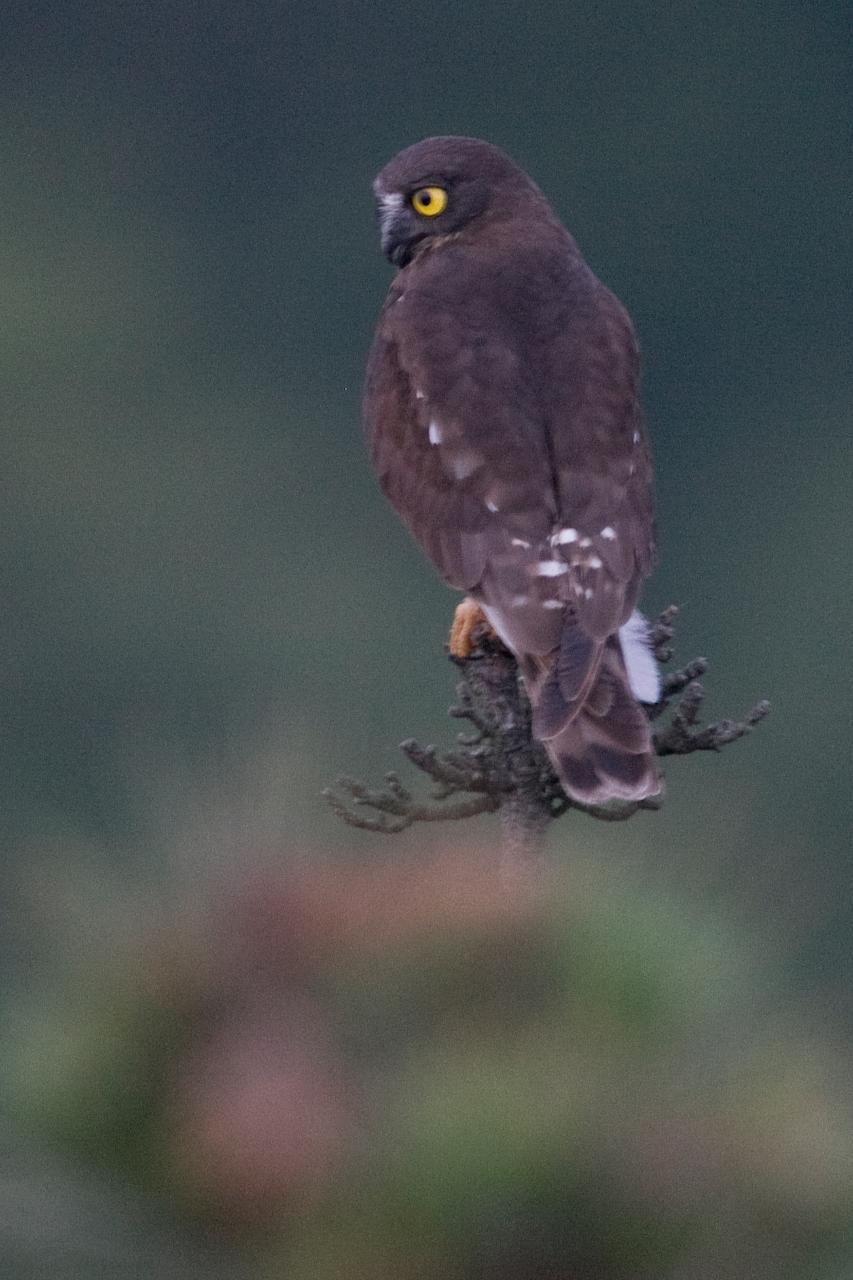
{"type": "Point", "coordinates": [499, 766]}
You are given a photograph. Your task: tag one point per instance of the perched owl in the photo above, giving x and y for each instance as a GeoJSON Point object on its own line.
{"type": "Point", "coordinates": [502, 412]}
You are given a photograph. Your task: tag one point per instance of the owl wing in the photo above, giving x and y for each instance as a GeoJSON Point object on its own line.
{"type": "Point", "coordinates": [454, 429]}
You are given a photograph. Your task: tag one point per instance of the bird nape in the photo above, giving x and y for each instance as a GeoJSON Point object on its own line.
{"type": "Point", "coordinates": [502, 411]}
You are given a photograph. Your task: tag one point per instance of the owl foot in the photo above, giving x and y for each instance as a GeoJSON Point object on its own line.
{"type": "Point", "coordinates": [466, 620]}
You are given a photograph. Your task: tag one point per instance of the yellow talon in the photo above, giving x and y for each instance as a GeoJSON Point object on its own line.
{"type": "Point", "coordinates": [467, 619]}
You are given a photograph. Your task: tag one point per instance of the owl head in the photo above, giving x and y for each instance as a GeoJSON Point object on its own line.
{"type": "Point", "coordinates": [442, 186]}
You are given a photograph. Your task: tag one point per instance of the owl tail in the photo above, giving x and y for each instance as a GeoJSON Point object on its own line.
{"type": "Point", "coordinates": [601, 746]}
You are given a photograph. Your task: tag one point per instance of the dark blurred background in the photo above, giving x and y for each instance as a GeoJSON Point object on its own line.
{"type": "Point", "coordinates": [207, 609]}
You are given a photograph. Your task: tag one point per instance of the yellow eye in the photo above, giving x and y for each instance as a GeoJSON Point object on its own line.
{"type": "Point", "coordinates": [430, 201]}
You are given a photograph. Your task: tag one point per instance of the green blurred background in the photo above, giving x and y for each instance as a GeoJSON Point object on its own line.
{"type": "Point", "coordinates": [207, 609]}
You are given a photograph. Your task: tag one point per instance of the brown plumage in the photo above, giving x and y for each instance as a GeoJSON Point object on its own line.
{"type": "Point", "coordinates": [501, 407]}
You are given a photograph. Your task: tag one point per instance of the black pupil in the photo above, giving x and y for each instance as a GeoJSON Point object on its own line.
{"type": "Point", "coordinates": [426, 198]}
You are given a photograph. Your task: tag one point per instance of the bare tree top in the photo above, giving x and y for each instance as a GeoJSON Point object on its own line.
{"type": "Point", "coordinates": [498, 766]}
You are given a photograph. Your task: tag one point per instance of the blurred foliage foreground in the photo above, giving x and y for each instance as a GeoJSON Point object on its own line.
{"type": "Point", "coordinates": [404, 1070]}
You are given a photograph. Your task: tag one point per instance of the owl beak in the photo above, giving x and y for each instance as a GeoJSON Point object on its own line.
{"type": "Point", "coordinates": [399, 242]}
{"type": "Point", "coordinates": [400, 253]}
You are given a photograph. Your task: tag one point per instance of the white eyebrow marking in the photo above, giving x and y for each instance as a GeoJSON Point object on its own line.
{"type": "Point", "coordinates": [564, 535]}
{"type": "Point", "coordinates": [390, 203]}
{"type": "Point", "coordinates": [608, 532]}
{"type": "Point", "coordinates": [435, 436]}
{"type": "Point", "coordinates": [551, 568]}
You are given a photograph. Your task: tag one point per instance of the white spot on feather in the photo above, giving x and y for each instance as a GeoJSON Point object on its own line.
{"type": "Point", "coordinates": [520, 542]}
{"type": "Point", "coordinates": [587, 595]}
{"type": "Point", "coordinates": [643, 673]}
{"type": "Point", "coordinates": [435, 436]}
{"type": "Point", "coordinates": [492, 506]}
{"type": "Point", "coordinates": [419, 395]}
{"type": "Point", "coordinates": [551, 568]}
{"type": "Point", "coordinates": [608, 532]}
{"type": "Point", "coordinates": [585, 542]}
{"type": "Point", "coordinates": [636, 437]}
{"type": "Point", "coordinates": [552, 604]}
{"type": "Point", "coordinates": [518, 602]}
{"type": "Point", "coordinates": [593, 563]}
{"type": "Point", "coordinates": [563, 536]}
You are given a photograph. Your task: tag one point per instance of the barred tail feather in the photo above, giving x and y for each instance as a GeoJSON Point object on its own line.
{"type": "Point", "coordinates": [604, 751]}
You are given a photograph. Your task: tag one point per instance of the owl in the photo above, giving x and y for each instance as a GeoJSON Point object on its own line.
{"type": "Point", "coordinates": [503, 419]}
